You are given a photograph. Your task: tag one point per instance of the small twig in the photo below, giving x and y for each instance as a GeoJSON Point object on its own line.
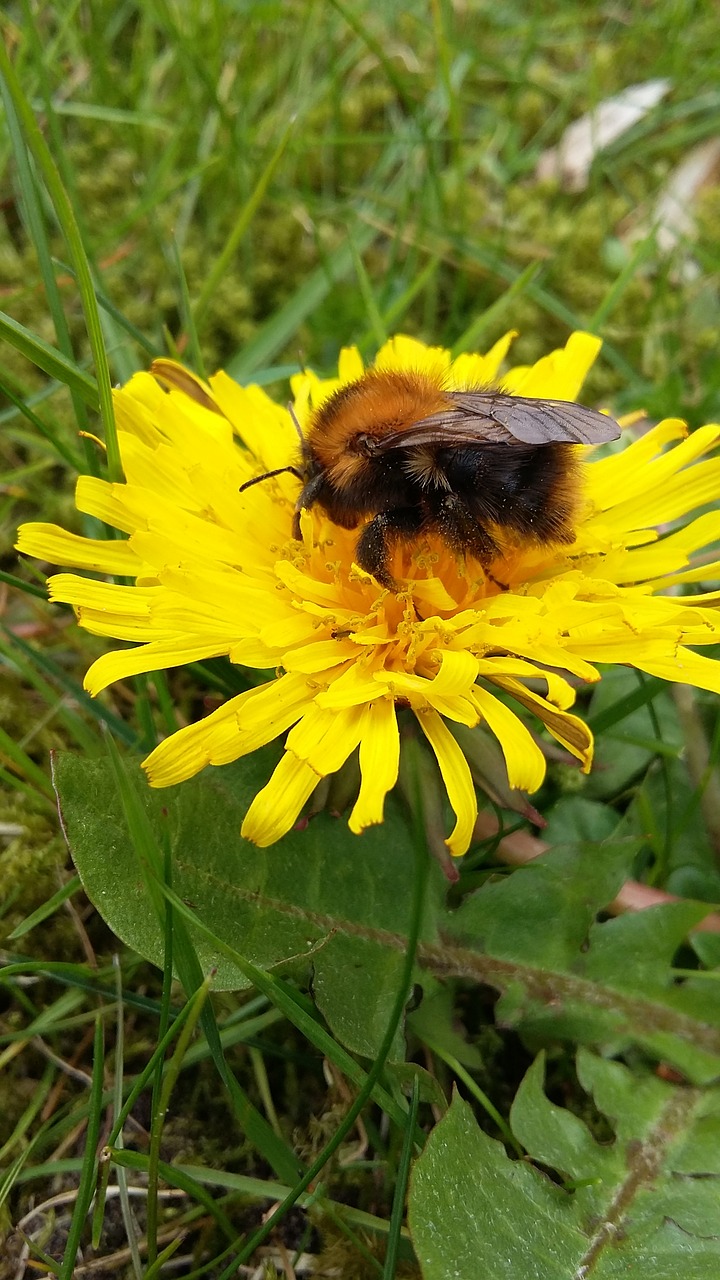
{"type": "Point", "coordinates": [74, 1072]}
{"type": "Point", "coordinates": [336, 1081]}
{"type": "Point", "coordinates": [69, 1197]}
{"type": "Point", "coordinates": [82, 933]}
{"type": "Point", "coordinates": [110, 1262]}
{"type": "Point", "coordinates": [68, 1069]}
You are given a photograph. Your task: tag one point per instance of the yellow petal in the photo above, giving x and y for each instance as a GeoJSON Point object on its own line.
{"type": "Point", "coordinates": [457, 778]}
{"type": "Point", "coordinates": [671, 553]}
{"type": "Point", "coordinates": [350, 365]}
{"type": "Point", "coordinates": [673, 498]}
{"type": "Point", "coordinates": [354, 687]}
{"type": "Point", "coordinates": [470, 370]}
{"type": "Point", "coordinates": [275, 808]}
{"type": "Point", "coordinates": [461, 710]}
{"type": "Point", "coordinates": [106, 502]}
{"type": "Point", "coordinates": [559, 375]}
{"type": "Point", "coordinates": [135, 419]}
{"type": "Point", "coordinates": [323, 655]}
{"type": "Point", "coordinates": [523, 757]}
{"type": "Point", "coordinates": [264, 426]}
{"type": "Point", "coordinates": [683, 664]}
{"type": "Point", "coordinates": [402, 352]}
{"type": "Point", "coordinates": [268, 711]}
{"type": "Point", "coordinates": [155, 656]}
{"type": "Point", "coordinates": [175, 376]}
{"type": "Point", "coordinates": [49, 542]}
{"type": "Point", "coordinates": [569, 730]}
{"type": "Point", "coordinates": [238, 727]}
{"type": "Point", "coordinates": [109, 597]}
{"type": "Point", "coordinates": [458, 672]}
{"type": "Point", "coordinates": [379, 763]}
{"type": "Point", "coordinates": [611, 480]}
{"type": "Point", "coordinates": [559, 692]}
{"type": "Point", "coordinates": [210, 741]}
{"type": "Point", "coordinates": [325, 739]}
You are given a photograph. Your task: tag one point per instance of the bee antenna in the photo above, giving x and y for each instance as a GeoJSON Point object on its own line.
{"type": "Point", "coordinates": [296, 424]}
{"type": "Point", "coordinates": [268, 475]}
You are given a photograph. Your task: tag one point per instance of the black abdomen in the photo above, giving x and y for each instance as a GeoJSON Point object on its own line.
{"type": "Point", "coordinates": [527, 488]}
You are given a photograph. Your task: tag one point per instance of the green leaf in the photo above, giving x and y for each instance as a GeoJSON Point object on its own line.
{"type": "Point", "coordinates": [545, 909]}
{"type": "Point", "coordinates": [356, 990]}
{"type": "Point", "coordinates": [574, 978]}
{"type": "Point", "coordinates": [645, 1205]}
{"type": "Point", "coordinates": [436, 1021]}
{"type": "Point", "coordinates": [553, 1135]}
{"type": "Point", "coordinates": [337, 904]}
{"type": "Point", "coordinates": [575, 819]}
{"type": "Point", "coordinates": [152, 862]}
{"type": "Point", "coordinates": [474, 1212]}
{"type": "Point", "coordinates": [320, 888]}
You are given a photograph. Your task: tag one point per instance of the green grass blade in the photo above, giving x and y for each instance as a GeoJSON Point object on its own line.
{"type": "Point", "coordinates": [338, 265]}
{"type": "Point", "coordinates": [471, 339]}
{"type": "Point", "coordinates": [291, 1004]}
{"type": "Point", "coordinates": [49, 359]}
{"type": "Point", "coordinates": [242, 223]}
{"type": "Point", "coordinates": [401, 1182]}
{"type": "Point", "coordinates": [12, 751]}
{"type": "Point", "coordinates": [69, 226]}
{"type": "Point", "coordinates": [377, 49]}
{"type": "Point", "coordinates": [175, 1177]}
{"type": "Point", "coordinates": [60, 709]}
{"type": "Point", "coordinates": [149, 1070]}
{"type": "Point", "coordinates": [186, 312]}
{"type": "Point", "coordinates": [47, 909]}
{"type": "Point", "coordinates": [89, 1168]}
{"type": "Point", "coordinates": [150, 861]}
{"type": "Point", "coordinates": [43, 429]}
{"type": "Point", "coordinates": [28, 588]}
{"type": "Point", "coordinates": [373, 1077]}
{"type": "Point", "coordinates": [38, 235]}
{"type": "Point", "coordinates": [624, 707]}
{"type": "Point", "coordinates": [19, 1135]}
{"type": "Point", "coordinates": [168, 1082]}
{"type": "Point", "coordinates": [30, 657]}
{"type": "Point", "coordinates": [151, 349]}
{"type": "Point", "coordinates": [377, 324]}
{"type": "Point", "coordinates": [274, 335]}
{"type": "Point", "coordinates": [641, 254]}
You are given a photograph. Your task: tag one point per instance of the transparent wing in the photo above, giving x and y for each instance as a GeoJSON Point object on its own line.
{"type": "Point", "coordinates": [483, 417]}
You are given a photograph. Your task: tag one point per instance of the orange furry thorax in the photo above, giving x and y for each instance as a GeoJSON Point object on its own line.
{"type": "Point", "coordinates": [379, 403]}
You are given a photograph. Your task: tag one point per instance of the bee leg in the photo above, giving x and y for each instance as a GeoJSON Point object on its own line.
{"type": "Point", "coordinates": [307, 499]}
{"type": "Point", "coordinates": [378, 538]}
{"type": "Point", "coordinates": [463, 532]}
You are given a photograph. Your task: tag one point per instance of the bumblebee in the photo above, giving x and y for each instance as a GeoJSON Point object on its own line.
{"type": "Point", "coordinates": [401, 456]}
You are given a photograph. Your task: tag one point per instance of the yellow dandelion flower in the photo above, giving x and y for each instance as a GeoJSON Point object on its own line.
{"type": "Point", "coordinates": [218, 572]}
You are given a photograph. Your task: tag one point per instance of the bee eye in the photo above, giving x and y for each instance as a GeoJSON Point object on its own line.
{"type": "Point", "coordinates": [366, 444]}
